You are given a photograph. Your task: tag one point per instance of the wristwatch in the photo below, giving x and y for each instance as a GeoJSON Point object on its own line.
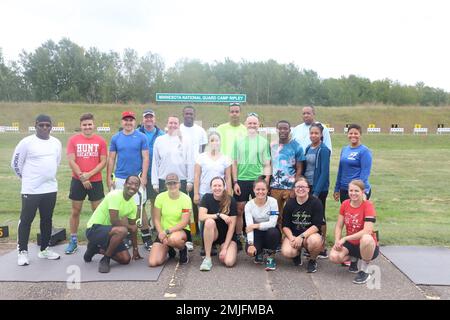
{"type": "Point", "coordinates": [167, 231]}
{"type": "Point", "coordinates": [218, 215]}
{"type": "Point", "coordinates": [302, 236]}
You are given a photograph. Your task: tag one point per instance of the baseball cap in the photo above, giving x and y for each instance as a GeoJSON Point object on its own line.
{"type": "Point", "coordinates": [128, 114]}
{"type": "Point", "coordinates": [43, 118]}
{"type": "Point", "coordinates": [172, 177]}
{"type": "Point", "coordinates": [147, 112]}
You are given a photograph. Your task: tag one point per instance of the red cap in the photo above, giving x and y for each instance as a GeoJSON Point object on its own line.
{"type": "Point", "coordinates": [128, 114]}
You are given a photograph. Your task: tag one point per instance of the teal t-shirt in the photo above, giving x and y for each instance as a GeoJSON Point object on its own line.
{"type": "Point", "coordinates": [113, 201]}
{"type": "Point", "coordinates": [251, 153]}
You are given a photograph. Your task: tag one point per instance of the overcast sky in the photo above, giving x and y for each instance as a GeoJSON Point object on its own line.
{"type": "Point", "coordinates": [402, 40]}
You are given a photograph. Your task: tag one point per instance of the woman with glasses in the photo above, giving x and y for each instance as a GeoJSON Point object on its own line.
{"type": "Point", "coordinates": [218, 212]}
{"type": "Point", "coordinates": [302, 222]}
{"type": "Point", "coordinates": [358, 216]}
{"type": "Point", "coordinates": [355, 163]}
{"type": "Point", "coordinates": [317, 172]}
{"type": "Point", "coordinates": [261, 216]}
{"type": "Point", "coordinates": [171, 217]}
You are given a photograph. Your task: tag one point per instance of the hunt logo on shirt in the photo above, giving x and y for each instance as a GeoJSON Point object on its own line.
{"type": "Point", "coordinates": [86, 150]}
{"type": "Point", "coordinates": [352, 156]}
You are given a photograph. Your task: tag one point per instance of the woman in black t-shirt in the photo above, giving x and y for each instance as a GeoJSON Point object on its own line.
{"type": "Point", "coordinates": [302, 221]}
{"type": "Point", "coordinates": [218, 212]}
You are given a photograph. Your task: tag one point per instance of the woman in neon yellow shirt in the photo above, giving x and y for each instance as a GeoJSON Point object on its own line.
{"type": "Point", "coordinates": [171, 216]}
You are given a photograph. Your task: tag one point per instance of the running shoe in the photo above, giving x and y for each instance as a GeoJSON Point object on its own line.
{"type": "Point", "coordinates": [48, 254]}
{"type": "Point", "coordinates": [271, 264]}
{"type": "Point", "coordinates": [206, 265]}
{"type": "Point", "coordinates": [72, 247]}
{"type": "Point", "coordinates": [362, 277]}
{"type": "Point", "coordinates": [22, 258]}
{"type": "Point", "coordinates": [312, 266]}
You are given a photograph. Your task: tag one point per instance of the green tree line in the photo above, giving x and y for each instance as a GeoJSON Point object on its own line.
{"type": "Point", "coordinates": [65, 71]}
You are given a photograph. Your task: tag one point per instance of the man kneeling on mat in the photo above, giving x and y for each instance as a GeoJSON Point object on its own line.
{"type": "Point", "coordinates": [108, 228]}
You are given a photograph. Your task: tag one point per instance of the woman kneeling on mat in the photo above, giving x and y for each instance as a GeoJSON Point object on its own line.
{"type": "Point", "coordinates": [218, 211]}
{"type": "Point", "coordinates": [171, 216]}
{"type": "Point", "coordinates": [261, 216]}
{"type": "Point", "coordinates": [358, 215]}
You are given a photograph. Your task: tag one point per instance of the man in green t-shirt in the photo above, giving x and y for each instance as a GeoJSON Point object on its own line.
{"type": "Point", "coordinates": [251, 159]}
{"type": "Point", "coordinates": [231, 131]}
{"type": "Point", "coordinates": [109, 226]}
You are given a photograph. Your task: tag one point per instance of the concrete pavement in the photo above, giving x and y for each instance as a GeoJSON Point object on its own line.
{"type": "Point", "coordinates": [245, 281]}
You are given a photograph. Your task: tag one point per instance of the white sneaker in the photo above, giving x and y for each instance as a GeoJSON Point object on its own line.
{"type": "Point", "coordinates": [22, 258]}
{"type": "Point", "coordinates": [48, 254]}
{"type": "Point", "coordinates": [190, 246]}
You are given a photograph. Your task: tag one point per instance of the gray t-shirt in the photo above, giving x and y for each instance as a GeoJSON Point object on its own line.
{"type": "Point", "coordinates": [310, 164]}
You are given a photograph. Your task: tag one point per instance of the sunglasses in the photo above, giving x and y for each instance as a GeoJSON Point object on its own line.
{"type": "Point", "coordinates": [252, 114]}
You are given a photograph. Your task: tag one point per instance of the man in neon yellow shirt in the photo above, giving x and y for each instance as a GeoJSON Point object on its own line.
{"type": "Point", "coordinates": [107, 228]}
{"type": "Point", "coordinates": [231, 131]}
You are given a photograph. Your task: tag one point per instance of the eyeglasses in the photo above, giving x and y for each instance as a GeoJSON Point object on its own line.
{"type": "Point", "coordinates": [301, 187]}
{"type": "Point", "coordinates": [44, 125]}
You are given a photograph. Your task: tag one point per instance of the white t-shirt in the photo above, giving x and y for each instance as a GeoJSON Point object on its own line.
{"type": "Point", "coordinates": [170, 155]}
{"type": "Point", "coordinates": [36, 161]}
{"type": "Point", "coordinates": [266, 216]}
{"type": "Point", "coordinates": [210, 169]}
{"type": "Point", "coordinates": [197, 135]}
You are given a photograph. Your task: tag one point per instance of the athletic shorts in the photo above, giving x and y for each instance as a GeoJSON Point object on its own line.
{"type": "Point", "coordinates": [99, 235]}
{"type": "Point", "coordinates": [119, 185]}
{"type": "Point", "coordinates": [223, 236]}
{"type": "Point", "coordinates": [354, 251]}
{"type": "Point", "coordinates": [246, 191]}
{"type": "Point", "coordinates": [151, 193]}
{"type": "Point", "coordinates": [188, 234]}
{"type": "Point", "coordinates": [78, 192]}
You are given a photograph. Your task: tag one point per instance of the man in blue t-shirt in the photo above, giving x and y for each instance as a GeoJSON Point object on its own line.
{"type": "Point", "coordinates": [130, 148]}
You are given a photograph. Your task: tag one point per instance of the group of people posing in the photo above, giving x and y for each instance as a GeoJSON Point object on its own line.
{"type": "Point", "coordinates": [235, 187]}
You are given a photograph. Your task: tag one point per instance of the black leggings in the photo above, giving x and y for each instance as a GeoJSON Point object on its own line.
{"type": "Point", "coordinates": [269, 239]}
{"type": "Point", "coordinates": [30, 203]}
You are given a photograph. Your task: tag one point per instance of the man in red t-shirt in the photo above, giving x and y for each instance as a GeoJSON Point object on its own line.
{"type": "Point", "coordinates": [360, 242]}
{"type": "Point", "coordinates": [87, 153]}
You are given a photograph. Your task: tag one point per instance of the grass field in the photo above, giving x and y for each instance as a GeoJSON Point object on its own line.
{"type": "Point", "coordinates": [410, 174]}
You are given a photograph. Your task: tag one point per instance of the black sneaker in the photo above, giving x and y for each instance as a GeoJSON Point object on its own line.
{"type": "Point", "coordinates": [297, 260]}
{"type": "Point", "coordinates": [306, 253]}
{"type": "Point", "coordinates": [184, 258]}
{"type": "Point", "coordinates": [353, 268]}
{"type": "Point", "coordinates": [259, 259]}
{"type": "Point", "coordinates": [323, 254]}
{"type": "Point", "coordinates": [172, 253]}
{"type": "Point", "coordinates": [103, 266]}
{"type": "Point", "coordinates": [312, 266]}
{"type": "Point", "coordinates": [148, 244]}
{"type": "Point", "coordinates": [91, 251]}
{"type": "Point", "coordinates": [362, 277]}
{"type": "Point", "coordinates": [239, 245]}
